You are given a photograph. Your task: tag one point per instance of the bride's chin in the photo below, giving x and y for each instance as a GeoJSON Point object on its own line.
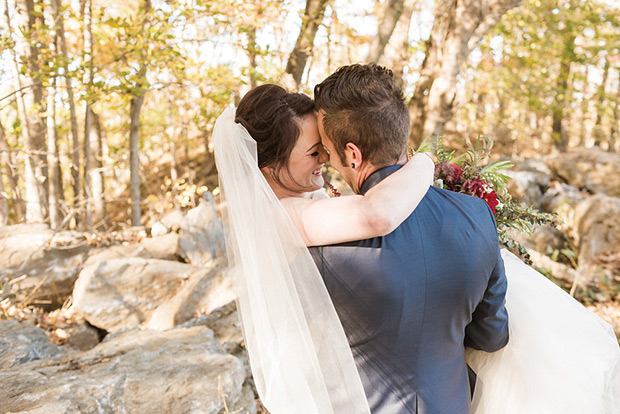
{"type": "Point", "coordinates": [318, 182]}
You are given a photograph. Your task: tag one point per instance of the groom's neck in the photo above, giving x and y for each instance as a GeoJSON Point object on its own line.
{"type": "Point", "coordinates": [368, 168]}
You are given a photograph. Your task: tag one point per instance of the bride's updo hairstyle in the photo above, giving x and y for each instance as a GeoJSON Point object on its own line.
{"type": "Point", "coordinates": [271, 116]}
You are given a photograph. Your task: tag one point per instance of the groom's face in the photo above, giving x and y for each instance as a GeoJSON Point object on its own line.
{"type": "Point", "coordinates": [345, 171]}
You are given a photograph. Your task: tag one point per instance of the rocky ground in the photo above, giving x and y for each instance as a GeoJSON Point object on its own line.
{"type": "Point", "coordinates": [144, 320]}
{"type": "Point", "coordinates": [147, 325]}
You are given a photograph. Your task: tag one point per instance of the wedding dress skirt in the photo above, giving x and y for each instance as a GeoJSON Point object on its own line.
{"type": "Point", "coordinates": [561, 358]}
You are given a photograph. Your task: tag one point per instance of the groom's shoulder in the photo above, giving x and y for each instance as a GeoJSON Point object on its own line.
{"type": "Point", "coordinates": [454, 197]}
{"type": "Point", "coordinates": [449, 202]}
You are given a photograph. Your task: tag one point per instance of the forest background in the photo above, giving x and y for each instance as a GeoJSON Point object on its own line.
{"type": "Point", "coordinates": [106, 109]}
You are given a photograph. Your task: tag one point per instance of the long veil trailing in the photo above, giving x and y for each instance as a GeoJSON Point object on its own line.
{"type": "Point", "coordinates": [299, 355]}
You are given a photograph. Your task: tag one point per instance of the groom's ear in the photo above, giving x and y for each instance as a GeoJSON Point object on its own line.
{"type": "Point", "coordinates": [353, 155]}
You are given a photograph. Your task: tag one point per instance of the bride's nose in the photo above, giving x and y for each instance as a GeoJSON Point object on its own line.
{"type": "Point", "coordinates": [323, 155]}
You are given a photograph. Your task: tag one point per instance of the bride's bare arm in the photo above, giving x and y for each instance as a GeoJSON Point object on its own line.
{"type": "Point", "coordinates": [377, 213]}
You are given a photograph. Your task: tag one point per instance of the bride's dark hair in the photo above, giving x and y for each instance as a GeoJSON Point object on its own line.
{"type": "Point", "coordinates": [271, 116]}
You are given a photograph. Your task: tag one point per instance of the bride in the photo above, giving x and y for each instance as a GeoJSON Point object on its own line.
{"type": "Point", "coordinates": [560, 357]}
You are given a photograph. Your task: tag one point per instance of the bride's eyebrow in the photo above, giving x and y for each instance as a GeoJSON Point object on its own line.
{"type": "Point", "coordinates": [310, 149]}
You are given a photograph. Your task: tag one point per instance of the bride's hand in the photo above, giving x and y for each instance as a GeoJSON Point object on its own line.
{"type": "Point", "coordinates": [377, 213]}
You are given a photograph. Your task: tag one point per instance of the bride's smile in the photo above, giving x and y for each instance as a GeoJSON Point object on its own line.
{"type": "Point", "coordinates": [304, 172]}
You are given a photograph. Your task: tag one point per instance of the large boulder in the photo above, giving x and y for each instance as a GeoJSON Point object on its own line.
{"type": "Point", "coordinates": [226, 326]}
{"type": "Point", "coordinates": [40, 267]}
{"type": "Point", "coordinates": [596, 228]}
{"type": "Point", "coordinates": [560, 197]}
{"type": "Point", "coordinates": [592, 169]}
{"type": "Point", "coordinates": [125, 293]}
{"type": "Point", "coordinates": [527, 187]}
{"type": "Point", "coordinates": [545, 239]}
{"type": "Point", "coordinates": [205, 290]}
{"type": "Point", "coordinates": [177, 371]}
{"type": "Point", "coordinates": [122, 293]}
{"type": "Point", "coordinates": [161, 247]}
{"type": "Point", "coordinates": [201, 237]}
{"type": "Point", "coordinates": [22, 342]}
{"type": "Point", "coordinates": [171, 222]}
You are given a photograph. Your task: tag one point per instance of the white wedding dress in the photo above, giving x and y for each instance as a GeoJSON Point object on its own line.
{"type": "Point", "coordinates": [561, 358]}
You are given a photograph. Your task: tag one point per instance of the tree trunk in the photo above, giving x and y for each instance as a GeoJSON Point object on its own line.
{"type": "Point", "coordinates": [55, 177]}
{"type": "Point", "coordinates": [598, 126]}
{"type": "Point", "coordinates": [134, 162]}
{"type": "Point", "coordinates": [558, 133]}
{"type": "Point", "coordinates": [4, 202]}
{"type": "Point", "coordinates": [137, 99]}
{"type": "Point", "coordinates": [458, 27]}
{"type": "Point", "coordinates": [315, 10]}
{"type": "Point", "coordinates": [94, 180]}
{"type": "Point", "coordinates": [16, 202]}
{"type": "Point", "coordinates": [89, 135]}
{"type": "Point", "coordinates": [584, 108]}
{"type": "Point", "coordinates": [391, 14]}
{"type": "Point", "coordinates": [400, 40]}
{"type": "Point", "coordinates": [31, 108]}
{"type": "Point", "coordinates": [75, 154]}
{"type": "Point", "coordinates": [614, 133]}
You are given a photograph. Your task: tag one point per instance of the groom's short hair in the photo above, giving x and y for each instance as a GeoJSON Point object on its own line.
{"type": "Point", "coordinates": [363, 105]}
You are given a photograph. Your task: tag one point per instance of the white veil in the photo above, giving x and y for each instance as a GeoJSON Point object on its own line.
{"type": "Point", "coordinates": [299, 355]}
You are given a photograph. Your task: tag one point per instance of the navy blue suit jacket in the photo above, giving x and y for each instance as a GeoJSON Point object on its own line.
{"type": "Point", "coordinates": [411, 301]}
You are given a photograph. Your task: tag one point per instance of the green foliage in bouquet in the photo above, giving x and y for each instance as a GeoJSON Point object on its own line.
{"type": "Point", "coordinates": [465, 173]}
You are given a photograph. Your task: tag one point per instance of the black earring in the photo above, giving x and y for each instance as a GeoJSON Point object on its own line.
{"type": "Point", "coordinates": [352, 165]}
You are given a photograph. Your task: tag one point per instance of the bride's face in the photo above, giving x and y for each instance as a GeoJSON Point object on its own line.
{"type": "Point", "coordinates": [306, 161]}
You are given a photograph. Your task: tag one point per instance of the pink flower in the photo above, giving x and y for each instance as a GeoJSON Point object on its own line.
{"type": "Point", "coordinates": [450, 174]}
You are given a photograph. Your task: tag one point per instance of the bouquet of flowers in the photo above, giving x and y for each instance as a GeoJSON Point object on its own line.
{"type": "Point", "coordinates": [465, 174]}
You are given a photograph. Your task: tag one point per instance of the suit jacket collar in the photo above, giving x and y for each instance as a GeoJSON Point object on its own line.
{"type": "Point", "coordinates": [378, 176]}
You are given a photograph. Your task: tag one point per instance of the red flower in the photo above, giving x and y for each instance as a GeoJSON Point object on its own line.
{"type": "Point", "coordinates": [491, 199]}
{"type": "Point", "coordinates": [481, 189]}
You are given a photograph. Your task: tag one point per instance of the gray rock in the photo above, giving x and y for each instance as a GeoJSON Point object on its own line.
{"type": "Point", "coordinates": [23, 342]}
{"type": "Point", "coordinates": [123, 293]}
{"type": "Point", "coordinates": [226, 326]}
{"type": "Point", "coordinates": [159, 229]}
{"type": "Point", "coordinates": [527, 187]}
{"type": "Point", "coordinates": [596, 228]}
{"type": "Point", "coordinates": [121, 251]}
{"type": "Point", "coordinates": [163, 247]}
{"type": "Point", "coordinates": [82, 337]}
{"type": "Point", "coordinates": [40, 267]}
{"type": "Point", "coordinates": [157, 294]}
{"type": "Point", "coordinates": [201, 237]}
{"type": "Point", "coordinates": [173, 220]}
{"type": "Point", "coordinates": [545, 265]}
{"type": "Point", "coordinates": [173, 372]}
{"type": "Point", "coordinates": [206, 289]}
{"type": "Point", "coordinates": [537, 165]}
{"type": "Point", "coordinates": [559, 196]}
{"type": "Point", "coordinates": [18, 242]}
{"type": "Point", "coordinates": [592, 169]}
{"type": "Point", "coordinates": [544, 238]}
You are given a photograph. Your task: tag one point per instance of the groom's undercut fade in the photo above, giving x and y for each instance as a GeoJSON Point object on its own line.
{"type": "Point", "coordinates": [363, 105]}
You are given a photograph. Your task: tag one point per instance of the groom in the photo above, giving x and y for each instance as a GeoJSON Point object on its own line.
{"type": "Point", "coordinates": [411, 301]}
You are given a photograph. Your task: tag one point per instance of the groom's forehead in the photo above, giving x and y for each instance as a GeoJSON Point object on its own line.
{"type": "Point", "coordinates": [319, 120]}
